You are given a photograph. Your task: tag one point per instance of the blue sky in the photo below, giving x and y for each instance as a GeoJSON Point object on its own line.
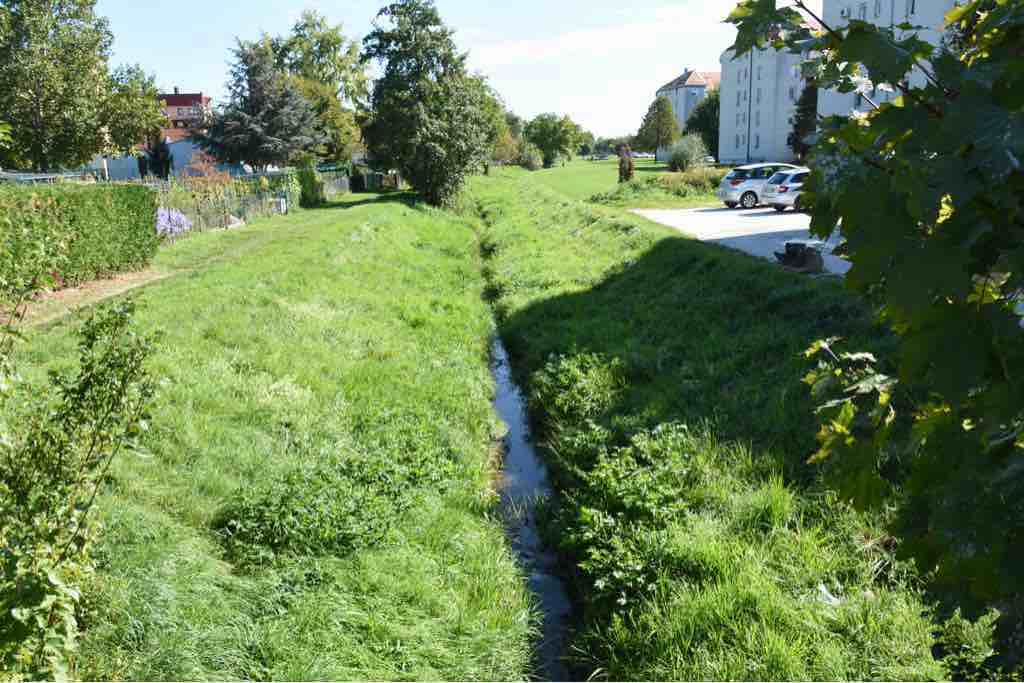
{"type": "Point", "coordinates": [598, 61]}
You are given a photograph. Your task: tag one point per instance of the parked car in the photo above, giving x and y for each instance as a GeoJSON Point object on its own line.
{"type": "Point", "coordinates": [783, 190]}
{"type": "Point", "coordinates": [743, 185]}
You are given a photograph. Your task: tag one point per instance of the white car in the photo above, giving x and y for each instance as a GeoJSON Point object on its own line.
{"type": "Point", "coordinates": [744, 185]}
{"type": "Point", "coordinates": [783, 190]}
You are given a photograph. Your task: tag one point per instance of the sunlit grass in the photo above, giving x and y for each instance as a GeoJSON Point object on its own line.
{"type": "Point", "coordinates": [357, 331]}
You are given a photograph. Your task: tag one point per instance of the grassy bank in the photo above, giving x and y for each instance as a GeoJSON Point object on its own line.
{"type": "Point", "coordinates": [664, 381]}
{"type": "Point", "coordinates": [653, 186]}
{"type": "Point", "coordinates": [313, 500]}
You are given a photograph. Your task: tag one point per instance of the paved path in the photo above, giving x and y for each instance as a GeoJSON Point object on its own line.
{"type": "Point", "coordinates": [760, 232]}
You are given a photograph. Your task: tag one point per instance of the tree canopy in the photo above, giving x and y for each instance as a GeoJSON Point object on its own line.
{"type": "Point", "coordinates": [133, 110]}
{"type": "Point", "coordinates": [428, 117]}
{"type": "Point", "coordinates": [926, 191]}
{"type": "Point", "coordinates": [326, 68]}
{"type": "Point", "coordinates": [704, 120]}
{"type": "Point", "coordinates": [553, 135]}
{"type": "Point", "coordinates": [659, 128]}
{"type": "Point", "coordinates": [267, 120]}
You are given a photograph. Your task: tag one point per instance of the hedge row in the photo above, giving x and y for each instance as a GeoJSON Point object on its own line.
{"type": "Point", "coordinates": [62, 235]}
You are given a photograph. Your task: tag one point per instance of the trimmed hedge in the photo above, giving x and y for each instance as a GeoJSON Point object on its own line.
{"type": "Point", "coordinates": [62, 235]}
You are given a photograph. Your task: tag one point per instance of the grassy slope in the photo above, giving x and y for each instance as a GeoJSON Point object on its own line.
{"type": "Point", "coordinates": [703, 550]}
{"type": "Point", "coordinates": [583, 179]}
{"type": "Point", "coordinates": [307, 340]}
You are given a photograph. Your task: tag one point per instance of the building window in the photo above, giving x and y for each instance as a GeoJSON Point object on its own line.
{"type": "Point", "coordinates": [737, 140]}
{"type": "Point", "coordinates": [878, 8]}
{"type": "Point", "coordinates": [757, 141]}
{"type": "Point", "coordinates": [757, 117]}
{"type": "Point", "coordinates": [758, 73]}
{"type": "Point", "coordinates": [739, 94]}
{"type": "Point", "coordinates": [759, 96]}
{"type": "Point", "coordinates": [792, 94]}
{"type": "Point", "coordinates": [862, 11]}
{"type": "Point", "coordinates": [737, 119]}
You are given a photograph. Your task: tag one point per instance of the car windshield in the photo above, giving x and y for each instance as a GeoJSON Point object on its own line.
{"type": "Point", "coordinates": [738, 174]}
{"type": "Point", "coordinates": [777, 179]}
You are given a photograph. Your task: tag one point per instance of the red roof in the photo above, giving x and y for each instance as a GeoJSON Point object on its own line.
{"type": "Point", "coordinates": [185, 99]}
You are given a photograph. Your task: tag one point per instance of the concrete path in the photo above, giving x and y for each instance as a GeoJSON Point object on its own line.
{"type": "Point", "coordinates": [760, 231]}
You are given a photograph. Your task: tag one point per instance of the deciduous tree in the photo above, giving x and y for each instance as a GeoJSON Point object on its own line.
{"type": "Point", "coordinates": [53, 81]}
{"type": "Point", "coordinates": [428, 117]}
{"type": "Point", "coordinates": [327, 70]}
{"type": "Point", "coordinates": [132, 110]}
{"type": "Point", "coordinates": [926, 193]}
{"type": "Point", "coordinates": [554, 136]}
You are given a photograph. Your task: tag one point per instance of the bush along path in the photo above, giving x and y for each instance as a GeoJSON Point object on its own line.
{"type": "Point", "coordinates": [313, 497]}
{"type": "Point", "coordinates": [663, 379]}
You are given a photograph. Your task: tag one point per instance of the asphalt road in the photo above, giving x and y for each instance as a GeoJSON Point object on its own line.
{"type": "Point", "coordinates": [760, 231]}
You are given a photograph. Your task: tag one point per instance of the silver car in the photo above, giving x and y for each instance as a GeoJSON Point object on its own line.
{"type": "Point", "coordinates": [782, 191]}
{"type": "Point", "coordinates": [745, 184]}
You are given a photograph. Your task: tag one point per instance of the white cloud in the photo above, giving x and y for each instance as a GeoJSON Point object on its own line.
{"type": "Point", "coordinates": [670, 21]}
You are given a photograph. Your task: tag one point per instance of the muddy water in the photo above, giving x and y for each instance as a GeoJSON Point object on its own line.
{"type": "Point", "coordinates": [524, 483]}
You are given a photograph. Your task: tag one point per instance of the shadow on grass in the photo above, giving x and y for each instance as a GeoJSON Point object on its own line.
{"type": "Point", "coordinates": [350, 201]}
{"type": "Point", "coordinates": [699, 333]}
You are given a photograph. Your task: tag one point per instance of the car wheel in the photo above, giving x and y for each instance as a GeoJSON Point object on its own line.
{"type": "Point", "coordinates": [748, 200]}
{"type": "Point", "coordinates": [780, 209]}
{"type": "Point", "coordinates": [730, 205]}
{"type": "Point", "coordinates": [796, 205]}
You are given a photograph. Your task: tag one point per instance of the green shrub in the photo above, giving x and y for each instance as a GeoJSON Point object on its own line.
{"type": "Point", "coordinates": [326, 508]}
{"type": "Point", "coordinates": [57, 442]}
{"type": "Point", "coordinates": [68, 234]}
{"type": "Point", "coordinates": [338, 502]}
{"type": "Point", "coordinates": [688, 153]}
{"type": "Point", "coordinates": [663, 186]}
{"type": "Point", "coordinates": [529, 156]}
{"type": "Point", "coordinates": [313, 192]}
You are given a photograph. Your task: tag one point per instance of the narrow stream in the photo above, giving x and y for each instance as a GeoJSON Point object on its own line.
{"type": "Point", "coordinates": [524, 483]}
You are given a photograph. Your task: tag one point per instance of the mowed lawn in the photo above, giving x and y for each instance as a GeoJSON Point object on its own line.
{"type": "Point", "coordinates": [587, 180]}
{"type": "Point", "coordinates": [314, 496]}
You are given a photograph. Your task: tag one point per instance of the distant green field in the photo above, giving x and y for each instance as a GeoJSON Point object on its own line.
{"type": "Point", "coordinates": [584, 180]}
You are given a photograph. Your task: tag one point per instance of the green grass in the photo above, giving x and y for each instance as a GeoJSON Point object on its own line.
{"type": "Point", "coordinates": [346, 347]}
{"type": "Point", "coordinates": [663, 376]}
{"type": "Point", "coordinates": [584, 180]}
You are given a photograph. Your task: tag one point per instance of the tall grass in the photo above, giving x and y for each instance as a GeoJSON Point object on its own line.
{"type": "Point", "coordinates": [664, 383]}
{"type": "Point", "coordinates": [325, 390]}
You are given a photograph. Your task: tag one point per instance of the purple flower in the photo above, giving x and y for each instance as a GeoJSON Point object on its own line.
{"type": "Point", "coordinates": [171, 222]}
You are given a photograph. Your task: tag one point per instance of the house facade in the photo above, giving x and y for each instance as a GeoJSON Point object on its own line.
{"type": "Point", "coordinates": [687, 91]}
{"type": "Point", "coordinates": [929, 14]}
{"type": "Point", "coordinates": [759, 93]}
{"type": "Point", "coordinates": [184, 111]}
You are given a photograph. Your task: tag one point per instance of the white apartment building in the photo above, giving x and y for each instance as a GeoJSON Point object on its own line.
{"type": "Point", "coordinates": [929, 14]}
{"type": "Point", "coordinates": [759, 93]}
{"type": "Point", "coordinates": [687, 91]}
